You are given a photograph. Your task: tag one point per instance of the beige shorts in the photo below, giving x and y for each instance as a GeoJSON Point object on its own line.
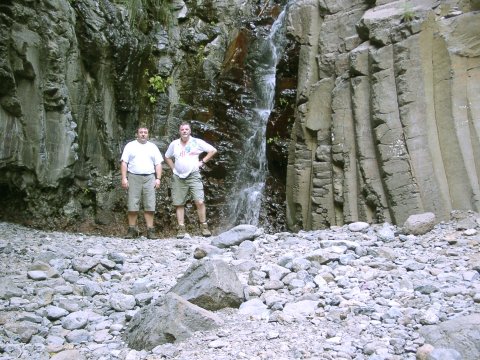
{"type": "Point", "coordinates": [141, 188]}
{"type": "Point", "coordinates": [191, 186]}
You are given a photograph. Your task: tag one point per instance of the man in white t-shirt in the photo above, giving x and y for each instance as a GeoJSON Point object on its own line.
{"type": "Point", "coordinates": [187, 181]}
{"type": "Point", "coordinates": [141, 170]}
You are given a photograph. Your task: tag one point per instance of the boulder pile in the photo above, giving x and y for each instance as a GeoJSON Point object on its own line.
{"type": "Point", "coordinates": [358, 291]}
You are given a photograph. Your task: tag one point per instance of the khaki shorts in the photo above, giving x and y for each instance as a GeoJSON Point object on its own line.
{"type": "Point", "coordinates": [190, 186]}
{"type": "Point", "coordinates": [141, 188]}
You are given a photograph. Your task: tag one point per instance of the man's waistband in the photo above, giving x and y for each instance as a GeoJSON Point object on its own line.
{"type": "Point", "coordinates": [141, 174]}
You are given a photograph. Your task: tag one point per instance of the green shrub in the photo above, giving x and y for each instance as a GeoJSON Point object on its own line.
{"type": "Point", "coordinates": [157, 85]}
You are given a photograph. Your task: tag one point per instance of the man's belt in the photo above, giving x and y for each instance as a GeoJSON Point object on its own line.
{"type": "Point", "coordinates": [142, 174]}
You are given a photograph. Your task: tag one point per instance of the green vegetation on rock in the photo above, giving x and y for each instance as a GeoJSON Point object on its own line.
{"type": "Point", "coordinates": [143, 10]}
{"type": "Point", "coordinates": [157, 85]}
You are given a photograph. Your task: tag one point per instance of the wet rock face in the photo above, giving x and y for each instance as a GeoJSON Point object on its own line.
{"type": "Point", "coordinates": [74, 85]}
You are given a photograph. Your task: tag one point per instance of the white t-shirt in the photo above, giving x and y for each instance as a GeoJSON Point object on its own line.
{"type": "Point", "coordinates": [141, 158]}
{"type": "Point", "coordinates": [186, 156]}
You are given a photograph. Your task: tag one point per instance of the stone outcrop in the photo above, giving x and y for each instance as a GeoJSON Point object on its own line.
{"type": "Point", "coordinates": [375, 115]}
{"type": "Point", "coordinates": [387, 111]}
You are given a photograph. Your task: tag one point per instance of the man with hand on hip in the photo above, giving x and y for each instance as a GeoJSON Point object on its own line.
{"type": "Point", "coordinates": [187, 180]}
{"type": "Point", "coordinates": [141, 170]}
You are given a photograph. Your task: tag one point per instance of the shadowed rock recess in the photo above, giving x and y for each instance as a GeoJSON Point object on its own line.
{"type": "Point", "coordinates": [376, 116]}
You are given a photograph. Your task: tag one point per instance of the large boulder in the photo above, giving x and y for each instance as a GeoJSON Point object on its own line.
{"type": "Point", "coordinates": [210, 284]}
{"type": "Point", "coordinates": [419, 224]}
{"type": "Point", "coordinates": [170, 320]}
{"type": "Point", "coordinates": [461, 334]}
{"type": "Point", "coordinates": [235, 236]}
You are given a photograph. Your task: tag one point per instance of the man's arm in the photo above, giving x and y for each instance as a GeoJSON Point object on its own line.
{"type": "Point", "coordinates": [209, 155]}
{"type": "Point", "coordinates": [123, 171]}
{"type": "Point", "coordinates": [158, 174]}
{"type": "Point", "coordinates": [169, 162]}
{"type": "Point", "coordinates": [158, 171]}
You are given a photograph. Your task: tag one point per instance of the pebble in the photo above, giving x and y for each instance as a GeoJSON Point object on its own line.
{"type": "Point", "coordinates": [355, 292]}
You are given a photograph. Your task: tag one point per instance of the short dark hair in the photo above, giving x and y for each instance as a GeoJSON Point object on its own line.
{"type": "Point", "coordinates": [185, 123]}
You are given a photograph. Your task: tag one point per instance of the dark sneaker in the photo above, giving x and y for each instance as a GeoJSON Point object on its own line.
{"type": "Point", "coordinates": [205, 231]}
{"type": "Point", "coordinates": [132, 233]}
{"type": "Point", "coordinates": [151, 234]}
{"type": "Point", "coordinates": [181, 232]}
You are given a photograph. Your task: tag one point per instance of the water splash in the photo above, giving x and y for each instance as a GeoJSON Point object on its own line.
{"type": "Point", "coordinates": [252, 171]}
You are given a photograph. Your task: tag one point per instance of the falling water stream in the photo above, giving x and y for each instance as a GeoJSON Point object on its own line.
{"type": "Point", "coordinates": [252, 171]}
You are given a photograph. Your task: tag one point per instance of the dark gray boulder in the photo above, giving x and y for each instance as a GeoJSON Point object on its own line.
{"type": "Point", "coordinates": [210, 284]}
{"type": "Point", "coordinates": [170, 320]}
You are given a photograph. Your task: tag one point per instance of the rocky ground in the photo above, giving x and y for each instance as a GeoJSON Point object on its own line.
{"type": "Point", "coordinates": [354, 292]}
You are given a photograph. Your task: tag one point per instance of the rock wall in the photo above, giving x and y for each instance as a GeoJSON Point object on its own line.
{"type": "Point", "coordinates": [68, 102]}
{"type": "Point", "coordinates": [376, 113]}
{"type": "Point", "coordinates": [388, 111]}
{"type": "Point", "coordinates": [74, 85]}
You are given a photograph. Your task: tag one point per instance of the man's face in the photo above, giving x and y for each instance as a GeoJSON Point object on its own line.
{"type": "Point", "coordinates": [142, 135]}
{"type": "Point", "coordinates": [185, 132]}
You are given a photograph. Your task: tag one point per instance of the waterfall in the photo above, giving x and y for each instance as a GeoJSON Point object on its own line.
{"type": "Point", "coordinates": [252, 170]}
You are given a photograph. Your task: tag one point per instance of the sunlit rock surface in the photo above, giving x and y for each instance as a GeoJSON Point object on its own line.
{"type": "Point", "coordinates": [388, 112]}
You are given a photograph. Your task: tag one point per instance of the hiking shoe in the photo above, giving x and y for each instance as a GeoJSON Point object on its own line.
{"type": "Point", "coordinates": [132, 233]}
{"type": "Point", "coordinates": [151, 234]}
{"type": "Point", "coordinates": [205, 231]}
{"type": "Point", "coordinates": [181, 232]}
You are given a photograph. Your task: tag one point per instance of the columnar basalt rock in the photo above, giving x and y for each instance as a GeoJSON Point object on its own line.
{"type": "Point", "coordinates": [387, 112]}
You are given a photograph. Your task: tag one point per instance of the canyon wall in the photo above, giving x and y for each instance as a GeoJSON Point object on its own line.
{"type": "Point", "coordinates": [376, 107]}
{"type": "Point", "coordinates": [387, 122]}
{"type": "Point", "coordinates": [75, 82]}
